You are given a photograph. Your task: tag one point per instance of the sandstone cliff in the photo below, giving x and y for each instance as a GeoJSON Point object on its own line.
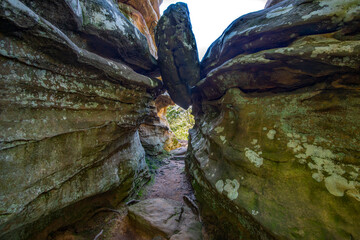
{"type": "Point", "coordinates": [72, 100]}
{"type": "Point", "coordinates": [275, 150]}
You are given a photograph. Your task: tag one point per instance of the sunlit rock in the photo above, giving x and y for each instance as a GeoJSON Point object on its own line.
{"type": "Point", "coordinates": [279, 26]}
{"type": "Point", "coordinates": [100, 27]}
{"type": "Point", "coordinates": [145, 16]}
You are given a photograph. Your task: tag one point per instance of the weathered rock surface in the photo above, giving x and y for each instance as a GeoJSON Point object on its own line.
{"type": "Point", "coordinates": [178, 56]}
{"type": "Point", "coordinates": [166, 218]}
{"type": "Point", "coordinates": [274, 152]}
{"type": "Point", "coordinates": [69, 111]}
{"type": "Point", "coordinates": [145, 16]}
{"type": "Point", "coordinates": [100, 27]}
{"type": "Point", "coordinates": [155, 133]}
{"type": "Point", "coordinates": [278, 27]}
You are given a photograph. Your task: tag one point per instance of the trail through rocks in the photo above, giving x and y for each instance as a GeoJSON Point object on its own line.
{"type": "Point", "coordinates": [164, 209]}
{"type": "Point", "coordinates": [170, 180]}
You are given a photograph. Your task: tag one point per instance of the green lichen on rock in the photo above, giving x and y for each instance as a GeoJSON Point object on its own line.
{"type": "Point", "coordinates": [277, 111]}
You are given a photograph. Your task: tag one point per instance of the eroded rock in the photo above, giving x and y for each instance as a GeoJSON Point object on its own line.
{"type": "Point", "coordinates": [100, 27]}
{"type": "Point", "coordinates": [279, 26]}
{"type": "Point", "coordinates": [69, 116]}
{"type": "Point", "coordinates": [178, 56]}
{"type": "Point", "coordinates": [155, 133]}
{"type": "Point", "coordinates": [274, 147]}
{"type": "Point", "coordinates": [145, 16]}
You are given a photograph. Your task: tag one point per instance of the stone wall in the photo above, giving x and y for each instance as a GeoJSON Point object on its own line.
{"type": "Point", "coordinates": [274, 152]}
{"type": "Point", "coordinates": [71, 106]}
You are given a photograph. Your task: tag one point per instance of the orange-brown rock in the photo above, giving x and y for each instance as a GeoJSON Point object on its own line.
{"type": "Point", "coordinates": [145, 16]}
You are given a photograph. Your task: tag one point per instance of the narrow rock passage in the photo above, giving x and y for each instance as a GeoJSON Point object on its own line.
{"type": "Point", "coordinates": [163, 209]}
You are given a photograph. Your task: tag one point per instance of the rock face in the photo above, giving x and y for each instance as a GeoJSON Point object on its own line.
{"type": "Point", "coordinates": [100, 27]}
{"type": "Point", "coordinates": [155, 133]}
{"type": "Point", "coordinates": [178, 56]}
{"type": "Point", "coordinates": [274, 152]}
{"type": "Point", "coordinates": [70, 110]}
{"type": "Point", "coordinates": [278, 27]}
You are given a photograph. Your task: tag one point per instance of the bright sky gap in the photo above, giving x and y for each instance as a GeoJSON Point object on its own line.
{"type": "Point", "coordinates": [209, 18]}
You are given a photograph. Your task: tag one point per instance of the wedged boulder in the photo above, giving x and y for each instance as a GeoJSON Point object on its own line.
{"type": "Point", "coordinates": [166, 218]}
{"type": "Point", "coordinates": [178, 56]}
{"type": "Point", "coordinates": [155, 133]}
{"type": "Point", "coordinates": [100, 27]}
{"type": "Point", "coordinates": [69, 124]}
{"type": "Point", "coordinates": [278, 26]}
{"type": "Point", "coordinates": [274, 151]}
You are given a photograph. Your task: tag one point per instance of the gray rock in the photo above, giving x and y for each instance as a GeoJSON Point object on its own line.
{"type": "Point", "coordinates": [99, 26]}
{"type": "Point", "coordinates": [177, 51]}
{"type": "Point", "coordinates": [69, 119]}
{"type": "Point", "coordinates": [274, 151]}
{"type": "Point", "coordinates": [279, 26]}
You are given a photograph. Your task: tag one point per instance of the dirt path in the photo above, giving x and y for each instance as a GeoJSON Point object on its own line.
{"type": "Point", "coordinates": [170, 180]}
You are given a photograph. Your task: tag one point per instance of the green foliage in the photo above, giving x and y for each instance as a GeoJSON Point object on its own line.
{"type": "Point", "coordinates": [180, 121]}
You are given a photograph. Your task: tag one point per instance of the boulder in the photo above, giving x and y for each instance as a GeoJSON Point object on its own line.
{"type": "Point", "coordinates": [100, 27]}
{"type": "Point", "coordinates": [145, 16]}
{"type": "Point", "coordinates": [279, 26]}
{"type": "Point", "coordinates": [69, 116]}
{"type": "Point", "coordinates": [274, 151]}
{"type": "Point", "coordinates": [166, 218]}
{"type": "Point", "coordinates": [178, 56]}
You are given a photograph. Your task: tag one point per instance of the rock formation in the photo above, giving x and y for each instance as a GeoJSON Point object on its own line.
{"type": "Point", "coordinates": [145, 16]}
{"type": "Point", "coordinates": [178, 56]}
{"type": "Point", "coordinates": [155, 133]}
{"type": "Point", "coordinates": [274, 152]}
{"type": "Point", "coordinates": [70, 111]}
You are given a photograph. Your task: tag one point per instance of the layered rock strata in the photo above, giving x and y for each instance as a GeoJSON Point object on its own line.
{"type": "Point", "coordinates": [178, 56]}
{"type": "Point", "coordinates": [274, 152]}
{"type": "Point", "coordinates": [70, 111]}
{"type": "Point", "coordinates": [100, 27]}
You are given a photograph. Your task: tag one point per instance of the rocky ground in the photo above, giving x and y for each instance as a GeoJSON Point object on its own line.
{"type": "Point", "coordinates": [164, 209]}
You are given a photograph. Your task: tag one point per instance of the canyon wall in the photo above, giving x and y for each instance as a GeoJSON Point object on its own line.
{"type": "Point", "coordinates": [274, 153]}
{"type": "Point", "coordinates": [76, 84]}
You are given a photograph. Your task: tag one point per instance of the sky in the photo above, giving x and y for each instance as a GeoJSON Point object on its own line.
{"type": "Point", "coordinates": [209, 18]}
